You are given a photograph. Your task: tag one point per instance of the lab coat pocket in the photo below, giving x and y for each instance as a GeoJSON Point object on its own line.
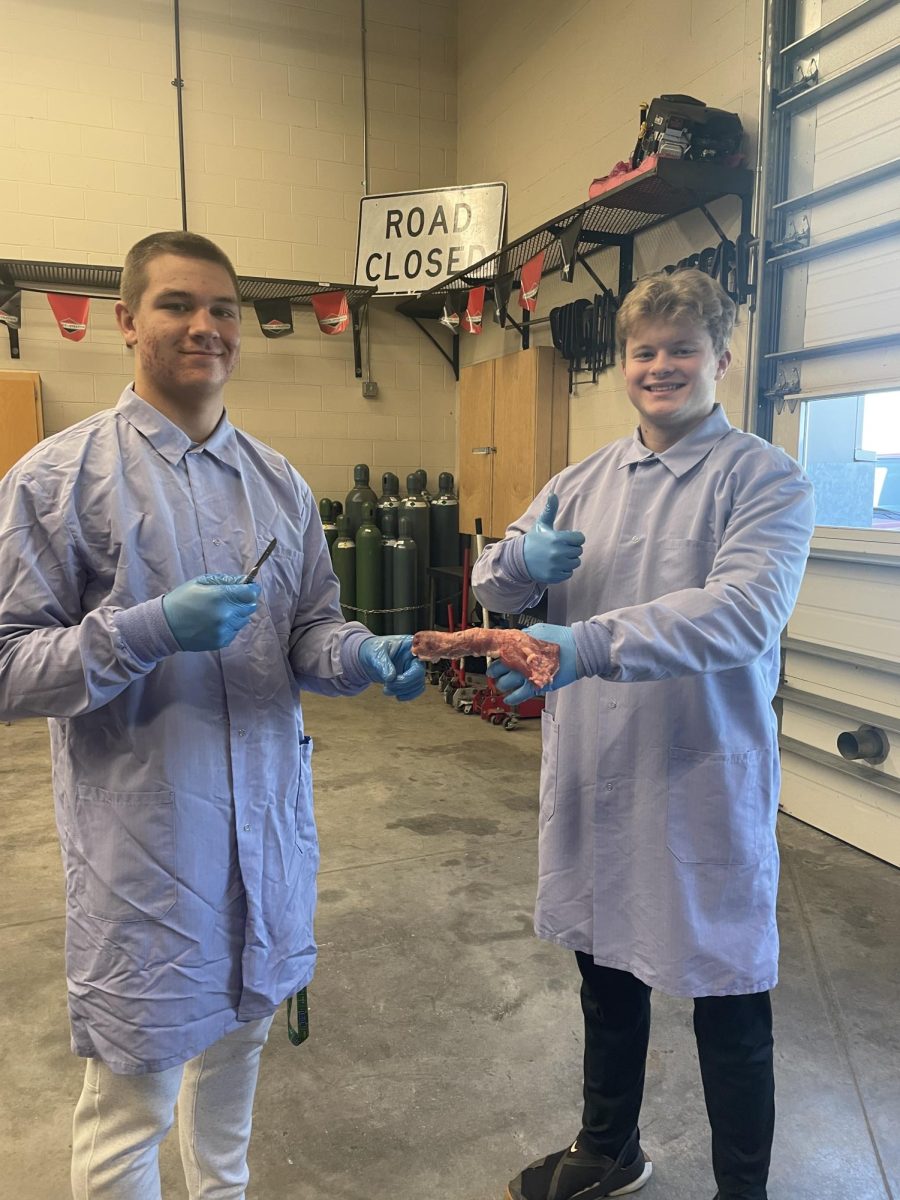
{"type": "Point", "coordinates": [280, 579]}
{"type": "Point", "coordinates": [123, 853]}
{"type": "Point", "coordinates": [304, 823]}
{"type": "Point", "coordinates": [716, 810]}
{"type": "Point", "coordinates": [678, 563]}
{"type": "Point", "coordinates": [549, 765]}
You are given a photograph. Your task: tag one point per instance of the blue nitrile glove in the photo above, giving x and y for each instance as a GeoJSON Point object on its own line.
{"type": "Point", "coordinates": [513, 684]}
{"type": "Point", "coordinates": [390, 660]}
{"type": "Point", "coordinates": [209, 612]}
{"type": "Point", "coordinates": [551, 555]}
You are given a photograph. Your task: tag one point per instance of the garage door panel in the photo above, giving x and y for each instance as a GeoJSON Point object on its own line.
{"type": "Point", "coordinates": [854, 293]}
{"type": "Point", "coordinates": [853, 371]}
{"type": "Point", "coordinates": [854, 811]}
{"type": "Point", "coordinates": [829, 402]}
{"type": "Point", "coordinates": [843, 630]}
{"type": "Point", "coordinates": [878, 33]}
{"type": "Point", "coordinates": [875, 206]}
{"type": "Point", "coordinates": [858, 685]}
{"type": "Point", "coordinates": [859, 589]}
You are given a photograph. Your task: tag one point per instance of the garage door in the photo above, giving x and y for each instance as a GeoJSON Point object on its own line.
{"type": "Point", "coordinates": [827, 355]}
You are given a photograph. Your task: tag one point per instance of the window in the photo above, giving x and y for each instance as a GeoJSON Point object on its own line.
{"type": "Point", "coordinates": [850, 447]}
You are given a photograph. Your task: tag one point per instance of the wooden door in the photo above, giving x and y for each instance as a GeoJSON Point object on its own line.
{"type": "Point", "coordinates": [21, 421]}
{"type": "Point", "coordinates": [476, 442]}
{"type": "Point", "coordinates": [516, 436]}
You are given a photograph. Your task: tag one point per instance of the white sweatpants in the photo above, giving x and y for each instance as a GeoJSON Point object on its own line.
{"type": "Point", "coordinates": [120, 1121]}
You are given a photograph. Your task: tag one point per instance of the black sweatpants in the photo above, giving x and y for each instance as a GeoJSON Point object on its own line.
{"type": "Point", "coordinates": [734, 1042]}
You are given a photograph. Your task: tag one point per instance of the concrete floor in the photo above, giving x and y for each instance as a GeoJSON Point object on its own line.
{"type": "Point", "coordinates": [445, 1048]}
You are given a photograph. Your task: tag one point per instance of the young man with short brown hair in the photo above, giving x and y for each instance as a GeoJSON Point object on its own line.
{"type": "Point", "coordinates": [658, 863]}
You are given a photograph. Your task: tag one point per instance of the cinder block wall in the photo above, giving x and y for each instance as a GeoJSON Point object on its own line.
{"type": "Point", "coordinates": [273, 127]}
{"type": "Point", "coordinates": [549, 98]}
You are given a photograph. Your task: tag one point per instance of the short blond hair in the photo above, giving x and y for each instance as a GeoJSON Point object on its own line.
{"type": "Point", "coordinates": [685, 295]}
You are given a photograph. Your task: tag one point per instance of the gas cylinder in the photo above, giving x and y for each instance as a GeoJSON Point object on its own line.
{"type": "Point", "coordinates": [415, 508]}
{"type": "Point", "coordinates": [358, 496]}
{"type": "Point", "coordinates": [329, 526]}
{"type": "Point", "coordinates": [369, 570]}
{"type": "Point", "coordinates": [389, 534]}
{"type": "Point", "coordinates": [422, 484]}
{"type": "Point", "coordinates": [403, 581]}
{"type": "Point", "coordinates": [336, 509]}
{"type": "Point", "coordinates": [343, 559]}
{"type": "Point", "coordinates": [444, 514]}
{"type": "Point", "coordinates": [389, 498]}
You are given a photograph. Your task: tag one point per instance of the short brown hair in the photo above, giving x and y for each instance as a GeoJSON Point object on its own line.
{"type": "Point", "coordinates": [175, 241]}
{"type": "Point", "coordinates": [686, 295]}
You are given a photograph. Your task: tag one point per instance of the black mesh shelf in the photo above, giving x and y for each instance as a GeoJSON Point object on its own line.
{"type": "Point", "coordinates": [671, 187]}
{"type": "Point", "coordinates": [103, 282]}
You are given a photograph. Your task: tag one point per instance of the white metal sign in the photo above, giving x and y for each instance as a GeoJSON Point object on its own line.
{"type": "Point", "coordinates": [410, 241]}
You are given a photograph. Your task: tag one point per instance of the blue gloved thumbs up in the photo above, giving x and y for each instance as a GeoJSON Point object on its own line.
{"type": "Point", "coordinates": [551, 508]}
{"type": "Point", "coordinates": [551, 555]}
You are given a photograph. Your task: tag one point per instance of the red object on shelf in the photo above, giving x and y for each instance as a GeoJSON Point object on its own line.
{"type": "Point", "coordinates": [618, 176]}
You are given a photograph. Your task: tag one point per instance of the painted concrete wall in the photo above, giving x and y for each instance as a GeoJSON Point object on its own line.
{"type": "Point", "coordinates": [273, 127]}
{"type": "Point", "coordinates": [549, 98]}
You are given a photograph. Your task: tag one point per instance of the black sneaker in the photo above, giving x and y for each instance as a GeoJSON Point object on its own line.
{"type": "Point", "coordinates": [573, 1174]}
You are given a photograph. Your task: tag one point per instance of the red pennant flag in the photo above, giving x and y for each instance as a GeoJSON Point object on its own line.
{"type": "Point", "coordinates": [530, 281]}
{"type": "Point", "coordinates": [71, 314]}
{"type": "Point", "coordinates": [474, 310]}
{"type": "Point", "coordinates": [332, 311]}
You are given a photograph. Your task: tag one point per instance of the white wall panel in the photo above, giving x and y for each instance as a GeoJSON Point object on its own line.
{"type": "Point", "coordinates": [853, 810]}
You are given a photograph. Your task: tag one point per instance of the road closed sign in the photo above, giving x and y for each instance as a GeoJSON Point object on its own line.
{"type": "Point", "coordinates": [410, 241]}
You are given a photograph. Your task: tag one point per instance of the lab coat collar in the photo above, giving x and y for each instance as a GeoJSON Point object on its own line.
{"type": "Point", "coordinates": [171, 442]}
{"type": "Point", "coordinates": [686, 452]}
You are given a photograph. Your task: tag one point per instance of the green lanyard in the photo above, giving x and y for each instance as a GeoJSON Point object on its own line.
{"type": "Point", "coordinates": [299, 1035]}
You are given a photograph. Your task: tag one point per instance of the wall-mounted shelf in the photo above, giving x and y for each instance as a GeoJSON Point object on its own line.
{"type": "Point", "coordinates": [661, 189]}
{"type": "Point", "coordinates": [102, 283]}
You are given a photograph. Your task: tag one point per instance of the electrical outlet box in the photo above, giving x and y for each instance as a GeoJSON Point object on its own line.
{"type": "Point", "coordinates": [370, 389]}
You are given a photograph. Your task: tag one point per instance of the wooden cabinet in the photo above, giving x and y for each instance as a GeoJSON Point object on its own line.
{"type": "Point", "coordinates": [513, 435]}
{"type": "Point", "coordinates": [21, 419]}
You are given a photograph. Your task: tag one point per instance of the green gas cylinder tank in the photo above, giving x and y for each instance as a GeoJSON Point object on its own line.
{"type": "Point", "coordinates": [403, 579]}
{"type": "Point", "coordinates": [359, 495]}
{"type": "Point", "coordinates": [329, 525]}
{"type": "Point", "coordinates": [369, 570]}
{"type": "Point", "coordinates": [444, 513]}
{"type": "Point", "coordinates": [343, 559]}
{"type": "Point", "coordinates": [389, 534]}
{"type": "Point", "coordinates": [389, 498]}
{"type": "Point", "coordinates": [415, 508]}
{"type": "Point", "coordinates": [422, 484]}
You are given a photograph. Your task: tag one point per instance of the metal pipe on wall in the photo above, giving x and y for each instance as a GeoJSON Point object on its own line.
{"type": "Point", "coordinates": [178, 85]}
{"type": "Point", "coordinates": [365, 179]}
{"type": "Point", "coordinates": [365, 97]}
{"type": "Point", "coordinates": [751, 379]}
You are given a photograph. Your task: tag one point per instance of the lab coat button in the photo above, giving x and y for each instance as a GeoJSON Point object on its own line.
{"type": "Point", "coordinates": [612, 704]}
{"type": "Point", "coordinates": [246, 829]}
{"type": "Point", "coordinates": [635, 538]}
{"type": "Point", "coordinates": [610, 786]}
{"type": "Point", "coordinates": [242, 733]}
{"type": "Point", "coordinates": [217, 541]}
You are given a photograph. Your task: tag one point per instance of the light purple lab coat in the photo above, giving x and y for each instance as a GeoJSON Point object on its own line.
{"type": "Point", "coordinates": [182, 780]}
{"type": "Point", "coordinates": [660, 772]}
